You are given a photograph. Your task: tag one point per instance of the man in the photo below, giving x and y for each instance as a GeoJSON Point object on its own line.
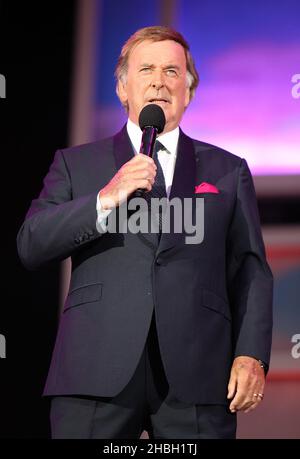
{"type": "Point", "coordinates": [156, 333]}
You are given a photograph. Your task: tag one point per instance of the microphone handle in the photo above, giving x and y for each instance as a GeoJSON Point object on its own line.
{"type": "Point", "coordinates": [147, 145]}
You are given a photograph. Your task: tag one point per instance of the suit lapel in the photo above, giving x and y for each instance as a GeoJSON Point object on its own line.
{"type": "Point", "coordinates": [183, 186]}
{"type": "Point", "coordinates": [123, 149]}
{"type": "Point", "coordinates": [185, 169]}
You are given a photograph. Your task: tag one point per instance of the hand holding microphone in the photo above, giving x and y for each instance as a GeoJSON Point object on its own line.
{"type": "Point", "coordinates": [138, 174]}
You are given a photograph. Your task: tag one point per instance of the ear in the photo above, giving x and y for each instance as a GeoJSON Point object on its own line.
{"type": "Point", "coordinates": [121, 92]}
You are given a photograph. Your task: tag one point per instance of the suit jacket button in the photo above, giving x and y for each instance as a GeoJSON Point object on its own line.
{"type": "Point", "coordinates": [158, 261]}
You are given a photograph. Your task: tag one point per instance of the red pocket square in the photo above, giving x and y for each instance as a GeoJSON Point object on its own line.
{"type": "Point", "coordinates": [205, 187]}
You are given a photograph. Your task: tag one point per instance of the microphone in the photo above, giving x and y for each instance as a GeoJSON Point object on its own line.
{"type": "Point", "coordinates": [152, 121]}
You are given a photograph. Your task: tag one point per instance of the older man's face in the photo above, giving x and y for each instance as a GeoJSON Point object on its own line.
{"type": "Point", "coordinates": [156, 74]}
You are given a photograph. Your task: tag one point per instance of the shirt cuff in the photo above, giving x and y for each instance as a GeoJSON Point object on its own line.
{"type": "Point", "coordinates": [101, 222]}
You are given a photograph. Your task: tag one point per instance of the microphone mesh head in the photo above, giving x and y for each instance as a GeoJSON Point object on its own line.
{"type": "Point", "coordinates": [152, 115]}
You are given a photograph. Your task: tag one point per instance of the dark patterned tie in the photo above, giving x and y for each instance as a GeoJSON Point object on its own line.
{"type": "Point", "coordinates": [159, 187]}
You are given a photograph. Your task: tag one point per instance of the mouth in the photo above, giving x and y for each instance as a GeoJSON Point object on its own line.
{"type": "Point", "coordinates": [159, 100]}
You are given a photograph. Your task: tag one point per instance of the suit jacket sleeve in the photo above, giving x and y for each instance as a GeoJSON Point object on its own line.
{"type": "Point", "coordinates": [56, 224]}
{"type": "Point", "coordinates": [250, 280]}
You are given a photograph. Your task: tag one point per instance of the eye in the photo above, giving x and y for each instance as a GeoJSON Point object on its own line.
{"type": "Point", "coordinates": [171, 72]}
{"type": "Point", "coordinates": [145, 69]}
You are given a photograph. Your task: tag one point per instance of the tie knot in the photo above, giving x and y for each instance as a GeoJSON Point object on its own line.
{"type": "Point", "coordinates": [157, 147]}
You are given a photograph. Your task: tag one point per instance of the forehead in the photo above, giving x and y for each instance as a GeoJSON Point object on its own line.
{"type": "Point", "coordinates": [158, 53]}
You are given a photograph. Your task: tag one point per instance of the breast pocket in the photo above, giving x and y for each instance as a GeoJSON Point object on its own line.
{"type": "Point", "coordinates": [83, 294]}
{"type": "Point", "coordinates": [216, 215]}
{"type": "Point", "coordinates": [216, 198]}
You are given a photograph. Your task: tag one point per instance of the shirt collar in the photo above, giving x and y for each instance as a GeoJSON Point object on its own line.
{"type": "Point", "coordinates": [169, 140]}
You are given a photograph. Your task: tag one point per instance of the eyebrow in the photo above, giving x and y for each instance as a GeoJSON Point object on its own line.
{"type": "Point", "coordinates": [167, 66]}
{"type": "Point", "coordinates": [146, 65]}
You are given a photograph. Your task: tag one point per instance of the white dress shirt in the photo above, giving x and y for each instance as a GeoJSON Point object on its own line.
{"type": "Point", "coordinates": [167, 159]}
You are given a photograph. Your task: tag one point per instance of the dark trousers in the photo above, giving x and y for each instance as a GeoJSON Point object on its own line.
{"type": "Point", "coordinates": [145, 403]}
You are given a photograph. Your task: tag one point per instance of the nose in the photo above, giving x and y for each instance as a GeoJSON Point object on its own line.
{"type": "Point", "coordinates": [157, 80]}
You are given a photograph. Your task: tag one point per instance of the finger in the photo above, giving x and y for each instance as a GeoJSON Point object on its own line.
{"type": "Point", "coordinates": [251, 408]}
{"type": "Point", "coordinates": [257, 398]}
{"type": "Point", "coordinates": [237, 389]}
{"type": "Point", "coordinates": [139, 172]}
{"type": "Point", "coordinates": [143, 183]}
{"type": "Point", "coordinates": [150, 179]}
{"type": "Point", "coordinates": [243, 397]}
{"type": "Point", "coordinates": [132, 185]}
{"type": "Point", "coordinates": [246, 389]}
{"type": "Point", "coordinates": [232, 385]}
{"type": "Point", "coordinates": [236, 402]}
{"type": "Point", "coordinates": [131, 171]}
{"type": "Point", "coordinates": [233, 406]}
{"type": "Point", "coordinates": [243, 405]}
{"type": "Point", "coordinates": [149, 162]}
{"type": "Point", "coordinates": [260, 396]}
{"type": "Point", "coordinates": [141, 158]}
{"type": "Point", "coordinates": [133, 177]}
{"type": "Point", "coordinates": [138, 161]}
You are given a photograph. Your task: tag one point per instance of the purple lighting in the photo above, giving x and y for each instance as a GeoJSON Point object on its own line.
{"type": "Point", "coordinates": [247, 106]}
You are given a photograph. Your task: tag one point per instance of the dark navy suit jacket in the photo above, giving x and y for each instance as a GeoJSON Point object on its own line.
{"type": "Point", "coordinates": [212, 300]}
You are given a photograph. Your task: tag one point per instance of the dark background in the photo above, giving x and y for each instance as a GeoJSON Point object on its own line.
{"type": "Point", "coordinates": [37, 41]}
{"type": "Point", "coordinates": [36, 59]}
